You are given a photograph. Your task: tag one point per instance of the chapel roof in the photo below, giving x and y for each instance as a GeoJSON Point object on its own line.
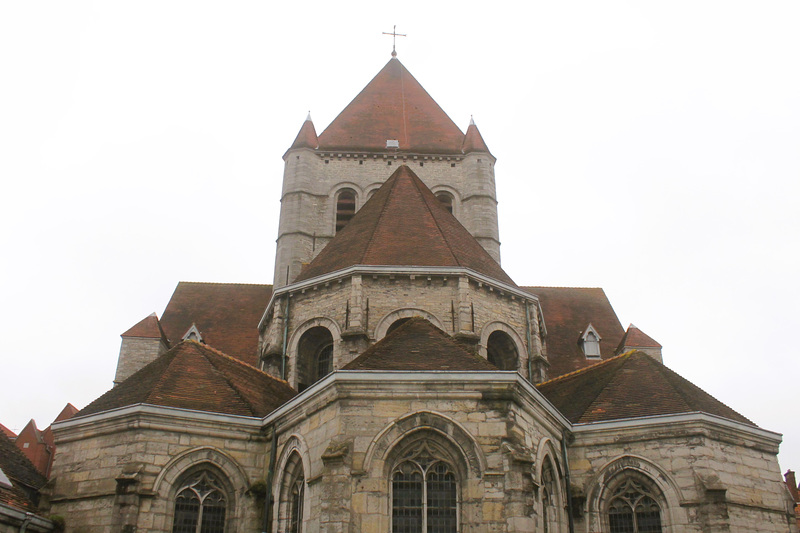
{"type": "Point", "coordinates": [568, 311]}
{"type": "Point", "coordinates": [636, 338]}
{"type": "Point", "coordinates": [403, 224]}
{"type": "Point", "coordinates": [197, 377]}
{"type": "Point", "coordinates": [24, 477]}
{"type": "Point", "coordinates": [418, 345]}
{"type": "Point", "coordinates": [226, 314]}
{"type": "Point", "coordinates": [393, 106]}
{"type": "Point", "coordinates": [631, 385]}
{"type": "Point", "coordinates": [148, 328]}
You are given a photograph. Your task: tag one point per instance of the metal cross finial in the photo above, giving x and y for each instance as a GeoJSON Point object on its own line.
{"type": "Point", "coordinates": [395, 35]}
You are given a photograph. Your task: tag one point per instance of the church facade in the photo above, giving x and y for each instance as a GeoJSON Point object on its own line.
{"type": "Point", "coordinates": [394, 378]}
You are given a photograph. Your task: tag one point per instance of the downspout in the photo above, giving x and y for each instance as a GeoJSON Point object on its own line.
{"type": "Point", "coordinates": [528, 334]}
{"type": "Point", "coordinates": [270, 476]}
{"type": "Point", "coordinates": [24, 526]}
{"type": "Point", "coordinates": [285, 337]}
{"type": "Point", "coordinates": [565, 461]}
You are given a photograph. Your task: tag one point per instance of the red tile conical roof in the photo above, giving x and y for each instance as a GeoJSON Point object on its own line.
{"type": "Point", "coordinates": [306, 137]}
{"type": "Point", "coordinates": [473, 141]}
{"type": "Point", "coordinates": [631, 385]}
{"type": "Point", "coordinates": [393, 106]}
{"type": "Point", "coordinates": [636, 338]}
{"type": "Point", "coordinates": [403, 224]}
{"type": "Point", "coordinates": [198, 377]}
{"type": "Point", "coordinates": [148, 328]}
{"type": "Point", "coordinates": [418, 345]}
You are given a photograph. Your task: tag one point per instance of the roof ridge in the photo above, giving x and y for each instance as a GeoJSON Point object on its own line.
{"type": "Point", "coordinates": [162, 375]}
{"type": "Point", "coordinates": [379, 218]}
{"type": "Point", "coordinates": [221, 373]}
{"type": "Point", "coordinates": [586, 368]}
{"type": "Point", "coordinates": [224, 283]}
{"type": "Point", "coordinates": [435, 220]}
{"type": "Point", "coordinates": [235, 360]}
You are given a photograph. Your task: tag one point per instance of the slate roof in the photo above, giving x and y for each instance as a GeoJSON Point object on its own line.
{"type": "Point", "coordinates": [226, 314]}
{"type": "Point", "coordinates": [568, 311]}
{"type": "Point", "coordinates": [198, 377]}
{"type": "Point", "coordinates": [403, 224]}
{"type": "Point", "coordinates": [630, 385]}
{"type": "Point", "coordinates": [25, 479]}
{"type": "Point", "coordinates": [418, 345]}
{"type": "Point", "coordinates": [393, 106]}
{"type": "Point", "coordinates": [636, 338]}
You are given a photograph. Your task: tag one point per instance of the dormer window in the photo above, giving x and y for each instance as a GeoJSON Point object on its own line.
{"type": "Point", "coordinates": [590, 341]}
{"type": "Point", "coordinates": [193, 334]}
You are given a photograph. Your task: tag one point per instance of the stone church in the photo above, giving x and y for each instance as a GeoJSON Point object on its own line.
{"type": "Point", "coordinates": [394, 378]}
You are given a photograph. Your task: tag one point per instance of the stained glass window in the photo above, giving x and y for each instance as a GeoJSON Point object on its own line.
{"type": "Point", "coordinates": [200, 505]}
{"type": "Point", "coordinates": [633, 509]}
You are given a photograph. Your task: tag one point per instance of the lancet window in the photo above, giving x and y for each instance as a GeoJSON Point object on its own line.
{"type": "Point", "coordinates": [424, 492]}
{"type": "Point", "coordinates": [633, 508]}
{"type": "Point", "coordinates": [292, 496]}
{"type": "Point", "coordinates": [200, 505]}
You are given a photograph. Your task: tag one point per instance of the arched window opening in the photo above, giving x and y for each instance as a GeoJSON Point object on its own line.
{"type": "Point", "coordinates": [292, 496]}
{"type": "Point", "coordinates": [549, 515]}
{"type": "Point", "coordinates": [200, 505]}
{"type": "Point", "coordinates": [633, 508]}
{"type": "Point", "coordinates": [591, 342]}
{"type": "Point", "coordinates": [502, 351]}
{"type": "Point", "coordinates": [446, 199]}
{"type": "Point", "coordinates": [314, 356]}
{"type": "Point", "coordinates": [345, 208]}
{"type": "Point", "coordinates": [424, 493]}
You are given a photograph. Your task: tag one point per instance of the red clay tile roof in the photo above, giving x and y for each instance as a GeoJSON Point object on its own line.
{"type": "Point", "coordinates": [198, 377]}
{"type": "Point", "coordinates": [473, 141]}
{"type": "Point", "coordinates": [393, 106]}
{"type": "Point", "coordinates": [24, 477]}
{"type": "Point", "coordinates": [7, 432]}
{"type": "Point", "coordinates": [568, 311]}
{"type": "Point", "coordinates": [226, 314]}
{"type": "Point", "coordinates": [306, 137]}
{"type": "Point", "coordinates": [403, 224]}
{"type": "Point", "coordinates": [148, 328]}
{"type": "Point", "coordinates": [630, 385]}
{"type": "Point", "coordinates": [418, 345]}
{"type": "Point", "coordinates": [636, 338]}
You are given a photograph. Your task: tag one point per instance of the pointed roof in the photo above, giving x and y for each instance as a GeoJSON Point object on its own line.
{"type": "Point", "coordinates": [7, 432]}
{"type": "Point", "coordinates": [24, 477]}
{"type": "Point", "coordinates": [403, 224]}
{"type": "Point", "coordinates": [473, 141]}
{"type": "Point", "coordinates": [306, 137]}
{"type": "Point", "coordinates": [636, 338]}
{"type": "Point", "coordinates": [418, 345]}
{"type": "Point", "coordinates": [393, 106]}
{"type": "Point", "coordinates": [148, 328]}
{"type": "Point", "coordinates": [195, 376]}
{"type": "Point", "coordinates": [631, 385]}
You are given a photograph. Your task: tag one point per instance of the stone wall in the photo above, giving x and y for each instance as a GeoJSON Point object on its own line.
{"type": "Point", "coordinates": [135, 353]}
{"type": "Point", "coordinates": [118, 471]}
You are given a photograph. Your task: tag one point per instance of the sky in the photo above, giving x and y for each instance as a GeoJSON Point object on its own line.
{"type": "Point", "coordinates": [649, 148]}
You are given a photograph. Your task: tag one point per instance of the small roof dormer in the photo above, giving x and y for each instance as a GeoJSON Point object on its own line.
{"type": "Point", "coordinates": [590, 342]}
{"type": "Point", "coordinates": [193, 334]}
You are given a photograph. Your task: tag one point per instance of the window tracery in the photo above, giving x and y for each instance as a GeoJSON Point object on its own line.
{"type": "Point", "coordinates": [633, 508]}
{"type": "Point", "coordinates": [424, 492]}
{"type": "Point", "coordinates": [200, 505]}
{"type": "Point", "coordinates": [292, 496]}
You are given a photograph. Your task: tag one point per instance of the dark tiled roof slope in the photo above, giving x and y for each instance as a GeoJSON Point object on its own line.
{"type": "Point", "coordinates": [7, 432]}
{"type": "Point", "coordinates": [630, 385]}
{"type": "Point", "coordinates": [567, 312]}
{"type": "Point", "coordinates": [23, 476]}
{"type": "Point", "coordinates": [636, 338]}
{"type": "Point", "coordinates": [226, 314]}
{"type": "Point", "coordinates": [393, 106]}
{"type": "Point", "coordinates": [403, 224]}
{"type": "Point", "coordinates": [198, 377]}
{"type": "Point", "coordinates": [418, 345]}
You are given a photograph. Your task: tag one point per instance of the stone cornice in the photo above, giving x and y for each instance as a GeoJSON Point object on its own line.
{"type": "Point", "coordinates": [500, 286]}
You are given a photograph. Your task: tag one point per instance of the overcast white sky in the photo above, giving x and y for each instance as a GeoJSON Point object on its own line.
{"type": "Point", "coordinates": [652, 149]}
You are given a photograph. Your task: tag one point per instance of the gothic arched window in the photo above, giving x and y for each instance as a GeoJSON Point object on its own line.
{"type": "Point", "coordinates": [424, 492]}
{"type": "Point", "coordinates": [548, 480]}
{"type": "Point", "coordinates": [200, 505]}
{"type": "Point", "coordinates": [633, 508]}
{"type": "Point", "coordinates": [345, 208]}
{"type": "Point", "coordinates": [292, 496]}
{"type": "Point", "coordinates": [502, 351]}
